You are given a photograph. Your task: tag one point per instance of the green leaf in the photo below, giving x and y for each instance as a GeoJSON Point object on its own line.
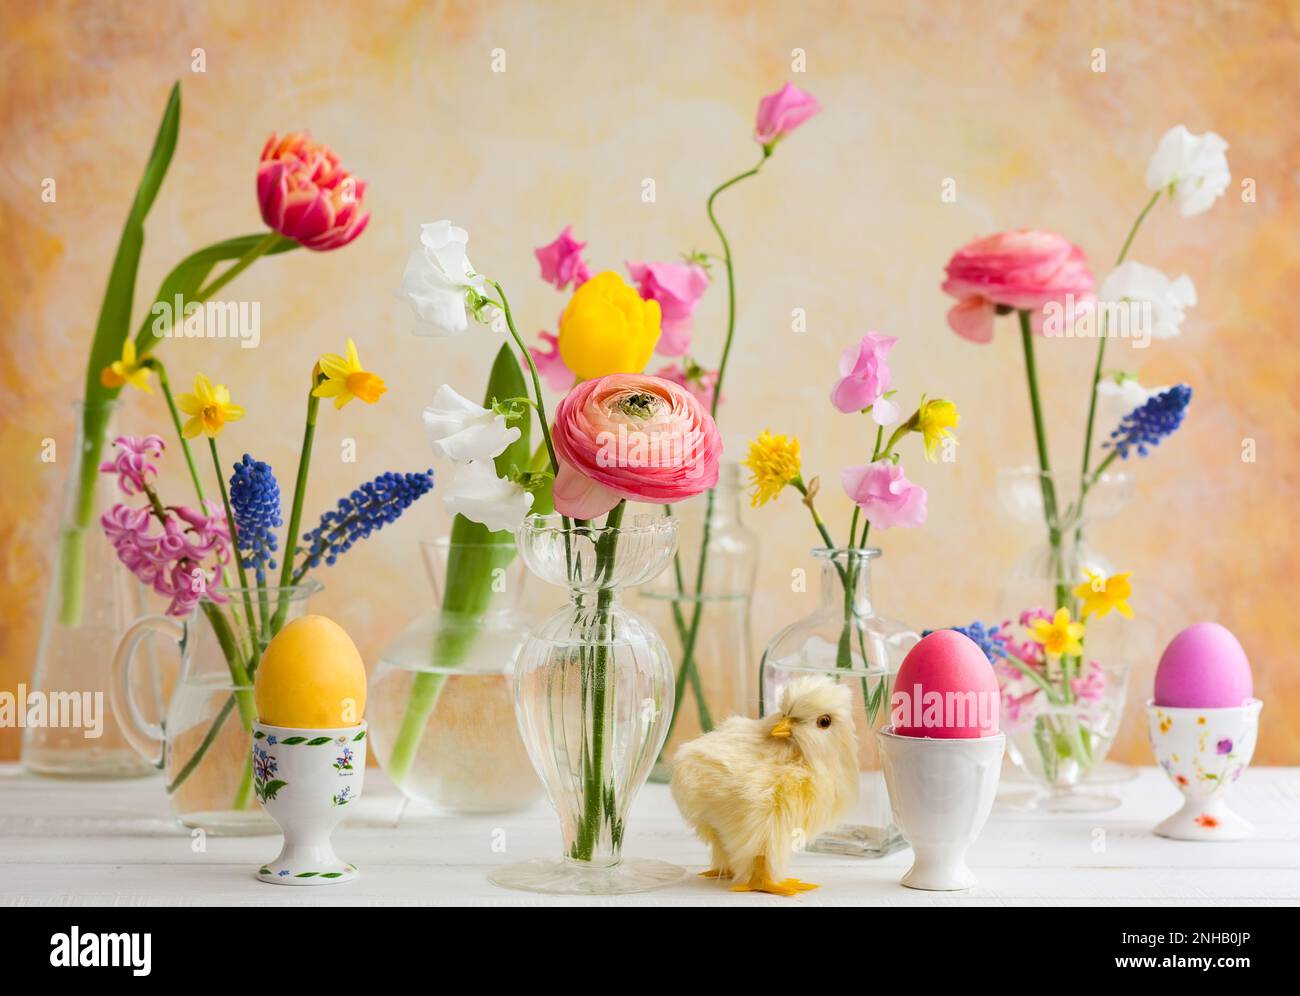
{"type": "Point", "coordinates": [331, 875]}
{"type": "Point", "coordinates": [317, 741]}
{"type": "Point", "coordinates": [359, 736]}
{"type": "Point", "coordinates": [271, 788]}
{"type": "Point", "coordinates": [306, 874]}
{"type": "Point", "coordinates": [258, 734]}
{"type": "Point", "coordinates": [264, 870]}
{"type": "Point", "coordinates": [290, 741]}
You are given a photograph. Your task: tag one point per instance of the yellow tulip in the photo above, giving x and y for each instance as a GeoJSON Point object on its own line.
{"type": "Point", "coordinates": [608, 328]}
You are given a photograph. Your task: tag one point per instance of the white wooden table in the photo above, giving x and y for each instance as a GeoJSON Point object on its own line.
{"type": "Point", "coordinates": [86, 843]}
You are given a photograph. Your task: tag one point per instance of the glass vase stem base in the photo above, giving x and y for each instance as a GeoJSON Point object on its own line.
{"type": "Point", "coordinates": [565, 877]}
{"type": "Point", "coordinates": [93, 762]}
{"type": "Point", "coordinates": [1059, 802]}
{"type": "Point", "coordinates": [251, 822]}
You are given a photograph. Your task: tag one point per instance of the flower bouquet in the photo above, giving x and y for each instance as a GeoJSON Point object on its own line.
{"type": "Point", "coordinates": [306, 199]}
{"type": "Point", "coordinates": [1045, 281]}
{"type": "Point", "coordinates": [844, 637]}
{"type": "Point", "coordinates": [219, 560]}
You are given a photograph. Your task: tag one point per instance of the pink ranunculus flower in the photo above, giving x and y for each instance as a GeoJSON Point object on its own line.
{"type": "Point", "coordinates": [551, 365]}
{"type": "Point", "coordinates": [134, 464]}
{"type": "Point", "coordinates": [781, 113]}
{"type": "Point", "coordinates": [631, 436]}
{"type": "Point", "coordinates": [703, 384]}
{"type": "Point", "coordinates": [865, 377]}
{"type": "Point", "coordinates": [885, 495]}
{"type": "Point", "coordinates": [678, 288]}
{"type": "Point", "coordinates": [1021, 270]}
{"type": "Point", "coordinates": [305, 194]}
{"type": "Point", "coordinates": [562, 262]}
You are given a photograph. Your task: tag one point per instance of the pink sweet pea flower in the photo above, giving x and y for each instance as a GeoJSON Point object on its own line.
{"type": "Point", "coordinates": [781, 113]}
{"type": "Point", "coordinates": [562, 262]}
{"type": "Point", "coordinates": [551, 365]}
{"type": "Point", "coordinates": [305, 195]}
{"type": "Point", "coordinates": [865, 377]}
{"type": "Point", "coordinates": [1021, 270]}
{"type": "Point", "coordinates": [700, 382]}
{"type": "Point", "coordinates": [631, 436]}
{"type": "Point", "coordinates": [885, 495]}
{"type": "Point", "coordinates": [678, 288]}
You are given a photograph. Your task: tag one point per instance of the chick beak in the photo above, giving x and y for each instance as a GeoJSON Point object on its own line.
{"type": "Point", "coordinates": [782, 729]}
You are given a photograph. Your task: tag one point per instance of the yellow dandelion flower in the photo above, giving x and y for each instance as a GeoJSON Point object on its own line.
{"type": "Point", "coordinates": [773, 464]}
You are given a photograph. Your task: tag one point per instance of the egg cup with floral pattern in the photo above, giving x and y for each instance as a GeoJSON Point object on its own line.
{"type": "Point", "coordinates": [1203, 751]}
{"type": "Point", "coordinates": [308, 780]}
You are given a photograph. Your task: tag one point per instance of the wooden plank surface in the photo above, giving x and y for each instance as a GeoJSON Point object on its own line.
{"type": "Point", "coordinates": [70, 843]}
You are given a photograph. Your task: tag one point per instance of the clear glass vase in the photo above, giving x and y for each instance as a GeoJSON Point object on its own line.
{"type": "Point", "coordinates": [202, 742]}
{"type": "Point", "coordinates": [594, 697]}
{"type": "Point", "coordinates": [1061, 719]}
{"type": "Point", "coordinates": [706, 615]}
{"type": "Point", "coordinates": [846, 640]}
{"type": "Point", "coordinates": [441, 699]}
{"type": "Point", "coordinates": [92, 600]}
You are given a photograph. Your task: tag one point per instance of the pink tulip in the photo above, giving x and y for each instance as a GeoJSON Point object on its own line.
{"type": "Point", "coordinates": [865, 377]}
{"type": "Point", "coordinates": [885, 495]}
{"type": "Point", "coordinates": [631, 436]}
{"type": "Point", "coordinates": [782, 112]}
{"type": "Point", "coordinates": [678, 288]}
{"type": "Point", "coordinates": [305, 194]}
{"type": "Point", "coordinates": [562, 262]}
{"type": "Point", "coordinates": [1021, 270]}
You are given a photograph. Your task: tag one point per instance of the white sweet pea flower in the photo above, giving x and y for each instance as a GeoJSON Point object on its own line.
{"type": "Point", "coordinates": [438, 276]}
{"type": "Point", "coordinates": [1168, 299]}
{"type": "Point", "coordinates": [477, 493]}
{"type": "Point", "coordinates": [1193, 168]}
{"type": "Point", "coordinates": [462, 431]}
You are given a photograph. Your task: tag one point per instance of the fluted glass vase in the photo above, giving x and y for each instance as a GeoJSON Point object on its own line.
{"type": "Point", "coordinates": [702, 604]}
{"type": "Point", "coordinates": [845, 639]}
{"type": "Point", "coordinates": [594, 697]}
{"type": "Point", "coordinates": [1061, 714]}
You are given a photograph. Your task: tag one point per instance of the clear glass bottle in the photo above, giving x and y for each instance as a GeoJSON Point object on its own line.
{"type": "Point", "coordinates": [92, 600]}
{"type": "Point", "coordinates": [706, 619]}
{"type": "Point", "coordinates": [1058, 735]}
{"type": "Point", "coordinates": [444, 688]}
{"type": "Point", "coordinates": [846, 640]}
{"type": "Point", "coordinates": [594, 696]}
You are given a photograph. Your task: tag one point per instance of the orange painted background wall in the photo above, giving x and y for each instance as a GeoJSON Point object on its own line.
{"type": "Point", "coordinates": [846, 223]}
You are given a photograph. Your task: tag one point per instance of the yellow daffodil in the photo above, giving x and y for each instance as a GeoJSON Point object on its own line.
{"type": "Point", "coordinates": [773, 464]}
{"type": "Point", "coordinates": [1100, 595]}
{"type": "Point", "coordinates": [209, 409]}
{"type": "Point", "coordinates": [346, 379]}
{"type": "Point", "coordinates": [127, 370]}
{"type": "Point", "coordinates": [1058, 635]}
{"type": "Point", "coordinates": [934, 419]}
{"type": "Point", "coordinates": [607, 328]}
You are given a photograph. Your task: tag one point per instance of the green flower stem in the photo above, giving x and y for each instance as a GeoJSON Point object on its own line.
{"type": "Point", "coordinates": [537, 381]}
{"type": "Point", "coordinates": [295, 513]}
{"type": "Point", "coordinates": [269, 241]}
{"type": "Point", "coordinates": [180, 434]}
{"type": "Point", "coordinates": [1044, 461]}
{"type": "Point", "coordinates": [250, 618]}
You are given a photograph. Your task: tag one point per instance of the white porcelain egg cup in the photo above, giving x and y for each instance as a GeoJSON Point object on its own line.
{"type": "Point", "coordinates": [941, 792]}
{"type": "Point", "coordinates": [1203, 751]}
{"type": "Point", "coordinates": [308, 780]}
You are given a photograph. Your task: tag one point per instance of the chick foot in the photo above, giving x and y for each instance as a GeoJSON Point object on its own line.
{"type": "Point", "coordinates": [786, 887]}
{"type": "Point", "coordinates": [715, 873]}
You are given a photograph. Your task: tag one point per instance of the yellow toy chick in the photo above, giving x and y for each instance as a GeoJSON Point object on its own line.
{"type": "Point", "coordinates": [750, 785]}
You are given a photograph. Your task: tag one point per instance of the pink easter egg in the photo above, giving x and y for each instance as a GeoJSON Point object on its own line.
{"type": "Point", "coordinates": [1203, 667]}
{"type": "Point", "coordinates": [945, 689]}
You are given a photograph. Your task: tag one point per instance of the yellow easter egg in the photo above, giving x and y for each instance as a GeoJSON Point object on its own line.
{"type": "Point", "coordinates": [311, 677]}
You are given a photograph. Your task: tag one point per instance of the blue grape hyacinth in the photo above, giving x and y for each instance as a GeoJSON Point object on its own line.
{"type": "Point", "coordinates": [255, 502]}
{"type": "Point", "coordinates": [989, 639]}
{"type": "Point", "coordinates": [1150, 422]}
{"type": "Point", "coordinates": [372, 506]}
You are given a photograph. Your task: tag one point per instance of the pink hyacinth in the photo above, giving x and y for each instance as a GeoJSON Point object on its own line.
{"type": "Point", "coordinates": [1089, 687]}
{"type": "Point", "coordinates": [306, 195]}
{"type": "Point", "coordinates": [678, 288]}
{"type": "Point", "coordinates": [885, 495]}
{"type": "Point", "coordinates": [172, 561]}
{"type": "Point", "coordinates": [561, 261]}
{"type": "Point", "coordinates": [551, 365]}
{"type": "Point", "coordinates": [134, 464]}
{"type": "Point", "coordinates": [781, 113]}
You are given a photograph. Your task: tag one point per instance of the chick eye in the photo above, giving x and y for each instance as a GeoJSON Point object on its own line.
{"type": "Point", "coordinates": [824, 722]}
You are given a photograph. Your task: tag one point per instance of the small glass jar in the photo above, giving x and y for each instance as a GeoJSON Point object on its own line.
{"type": "Point", "coordinates": [846, 640]}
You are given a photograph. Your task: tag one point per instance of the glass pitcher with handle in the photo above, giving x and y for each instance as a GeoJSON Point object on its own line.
{"type": "Point", "coordinates": [202, 744]}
